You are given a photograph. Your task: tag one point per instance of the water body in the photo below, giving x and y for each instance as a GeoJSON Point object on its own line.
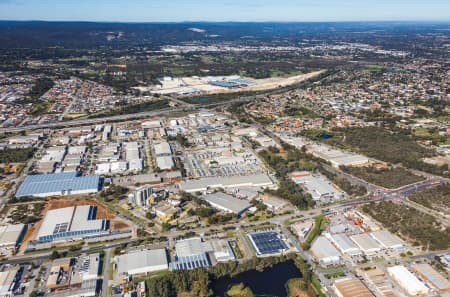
{"type": "Point", "coordinates": [326, 136]}
{"type": "Point", "coordinates": [270, 282]}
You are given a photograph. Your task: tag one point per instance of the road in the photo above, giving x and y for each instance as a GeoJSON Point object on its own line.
{"type": "Point", "coordinates": [106, 271]}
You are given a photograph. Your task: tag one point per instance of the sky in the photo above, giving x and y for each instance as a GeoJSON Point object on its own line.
{"type": "Point", "coordinates": [225, 10]}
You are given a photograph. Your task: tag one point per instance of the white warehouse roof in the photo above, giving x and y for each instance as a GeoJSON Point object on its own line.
{"type": "Point", "coordinates": [324, 251]}
{"type": "Point", "coordinates": [227, 203]}
{"type": "Point", "coordinates": [408, 281]}
{"type": "Point", "coordinates": [366, 243]}
{"type": "Point", "coordinates": [345, 245]}
{"type": "Point", "coordinates": [141, 262]}
{"type": "Point", "coordinates": [388, 240]}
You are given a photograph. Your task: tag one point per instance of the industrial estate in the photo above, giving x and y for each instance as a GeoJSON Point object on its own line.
{"type": "Point", "coordinates": [327, 179]}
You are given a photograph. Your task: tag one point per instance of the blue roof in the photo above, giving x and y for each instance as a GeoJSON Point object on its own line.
{"type": "Point", "coordinates": [225, 84]}
{"type": "Point", "coordinates": [61, 183]}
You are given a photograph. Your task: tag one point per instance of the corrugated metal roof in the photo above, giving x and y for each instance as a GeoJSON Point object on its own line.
{"type": "Point", "coordinates": [141, 259]}
{"type": "Point", "coordinates": [63, 183]}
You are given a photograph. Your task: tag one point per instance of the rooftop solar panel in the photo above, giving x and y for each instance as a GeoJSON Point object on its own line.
{"type": "Point", "coordinates": [268, 242]}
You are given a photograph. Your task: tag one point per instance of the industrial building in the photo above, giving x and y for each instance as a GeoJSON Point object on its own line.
{"type": "Point", "coordinates": [302, 229]}
{"type": "Point", "coordinates": [162, 149]}
{"type": "Point", "coordinates": [429, 275]}
{"type": "Point", "coordinates": [222, 251]}
{"type": "Point", "coordinates": [267, 243]}
{"type": "Point", "coordinates": [140, 196]}
{"type": "Point", "coordinates": [191, 253]}
{"type": "Point", "coordinates": [9, 282]}
{"type": "Point", "coordinates": [369, 246]}
{"type": "Point", "coordinates": [11, 235]}
{"type": "Point", "coordinates": [387, 240]}
{"type": "Point", "coordinates": [165, 163]}
{"type": "Point", "coordinates": [75, 276]}
{"type": "Point", "coordinates": [73, 222]}
{"type": "Point", "coordinates": [227, 203]}
{"type": "Point", "coordinates": [133, 157]}
{"type": "Point", "coordinates": [376, 279]}
{"type": "Point", "coordinates": [345, 245]}
{"type": "Point", "coordinates": [318, 186]}
{"type": "Point", "coordinates": [351, 287]}
{"type": "Point", "coordinates": [203, 184]}
{"type": "Point", "coordinates": [58, 184]}
{"type": "Point", "coordinates": [407, 281]}
{"type": "Point", "coordinates": [324, 252]}
{"type": "Point", "coordinates": [141, 262]}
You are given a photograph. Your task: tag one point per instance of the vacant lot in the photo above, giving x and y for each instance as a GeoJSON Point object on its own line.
{"type": "Point", "coordinates": [437, 198]}
{"type": "Point", "coordinates": [388, 178]}
{"type": "Point", "coordinates": [412, 225]}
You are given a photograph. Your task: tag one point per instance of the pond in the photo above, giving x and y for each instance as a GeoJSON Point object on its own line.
{"type": "Point", "coordinates": [270, 282]}
{"type": "Point", "coordinates": [326, 136]}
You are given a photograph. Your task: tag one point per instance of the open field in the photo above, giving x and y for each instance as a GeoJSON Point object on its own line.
{"type": "Point", "coordinates": [200, 85]}
{"type": "Point", "coordinates": [388, 178]}
{"type": "Point", "coordinates": [437, 198]}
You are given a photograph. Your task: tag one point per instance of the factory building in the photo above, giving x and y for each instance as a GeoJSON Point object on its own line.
{"type": "Point", "coordinates": [227, 203]}
{"type": "Point", "coordinates": [10, 238]}
{"type": "Point", "coordinates": [407, 281]}
{"type": "Point", "coordinates": [387, 240]}
{"type": "Point", "coordinates": [267, 243]}
{"type": "Point", "coordinates": [429, 275]}
{"type": "Point", "coordinates": [73, 222]}
{"type": "Point", "coordinates": [318, 186]}
{"type": "Point", "coordinates": [58, 184]}
{"type": "Point", "coordinates": [203, 184]}
{"type": "Point", "coordinates": [8, 281]}
{"type": "Point", "coordinates": [351, 287]}
{"type": "Point", "coordinates": [302, 229]}
{"type": "Point", "coordinates": [369, 246]}
{"type": "Point", "coordinates": [324, 252]}
{"type": "Point", "coordinates": [345, 245]}
{"type": "Point", "coordinates": [190, 254]}
{"type": "Point", "coordinates": [141, 262]}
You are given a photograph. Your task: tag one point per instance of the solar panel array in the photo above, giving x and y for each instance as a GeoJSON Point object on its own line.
{"type": "Point", "coordinates": [267, 242]}
{"type": "Point", "coordinates": [190, 262]}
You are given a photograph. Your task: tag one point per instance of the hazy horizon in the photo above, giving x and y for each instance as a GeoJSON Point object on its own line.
{"type": "Point", "coordinates": [175, 11]}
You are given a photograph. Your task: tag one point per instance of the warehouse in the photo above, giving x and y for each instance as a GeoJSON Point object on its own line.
{"type": "Point", "coordinates": [162, 149]}
{"type": "Point", "coordinates": [165, 163]}
{"type": "Point", "coordinates": [8, 281]}
{"type": "Point", "coordinates": [71, 223]}
{"type": "Point", "coordinates": [367, 244]}
{"type": "Point", "coordinates": [191, 253]}
{"type": "Point", "coordinates": [407, 281]}
{"type": "Point", "coordinates": [388, 240]}
{"type": "Point", "coordinates": [58, 184]}
{"type": "Point", "coordinates": [320, 188]}
{"type": "Point", "coordinates": [345, 245]}
{"type": "Point", "coordinates": [203, 184]}
{"type": "Point", "coordinates": [227, 203]}
{"type": "Point", "coordinates": [431, 276]}
{"type": "Point", "coordinates": [10, 238]}
{"type": "Point", "coordinates": [141, 262]}
{"type": "Point", "coordinates": [267, 243]}
{"type": "Point", "coordinates": [302, 228]}
{"type": "Point", "coordinates": [324, 252]}
{"type": "Point", "coordinates": [351, 287]}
